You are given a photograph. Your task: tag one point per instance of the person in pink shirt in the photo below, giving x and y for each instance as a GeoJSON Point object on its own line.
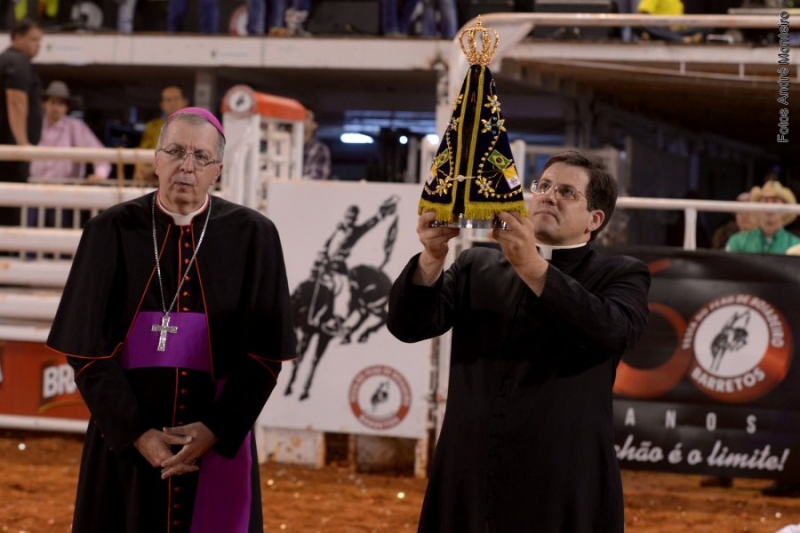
{"type": "Point", "coordinates": [60, 130]}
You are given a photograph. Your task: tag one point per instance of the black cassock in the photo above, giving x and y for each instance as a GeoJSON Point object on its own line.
{"type": "Point", "coordinates": [238, 281]}
{"type": "Point", "coordinates": [526, 443]}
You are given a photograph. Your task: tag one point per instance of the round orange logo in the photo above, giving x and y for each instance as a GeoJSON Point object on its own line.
{"type": "Point", "coordinates": [741, 348]}
{"type": "Point", "coordinates": [380, 397]}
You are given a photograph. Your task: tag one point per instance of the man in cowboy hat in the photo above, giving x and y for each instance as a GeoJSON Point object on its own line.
{"type": "Point", "coordinates": [769, 237]}
{"type": "Point", "coordinates": [61, 130]}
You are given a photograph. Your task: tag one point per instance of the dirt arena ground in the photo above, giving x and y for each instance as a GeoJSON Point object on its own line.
{"type": "Point", "coordinates": [38, 473]}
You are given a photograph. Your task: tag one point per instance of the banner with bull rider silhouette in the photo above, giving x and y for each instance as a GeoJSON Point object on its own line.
{"type": "Point", "coordinates": [344, 244]}
{"type": "Point", "coordinates": [714, 385]}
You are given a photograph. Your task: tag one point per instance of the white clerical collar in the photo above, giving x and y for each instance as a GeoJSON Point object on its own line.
{"type": "Point", "coordinates": [182, 220]}
{"type": "Point", "coordinates": [546, 251]}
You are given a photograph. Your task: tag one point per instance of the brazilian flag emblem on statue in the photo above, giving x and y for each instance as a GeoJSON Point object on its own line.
{"type": "Point", "coordinates": [473, 176]}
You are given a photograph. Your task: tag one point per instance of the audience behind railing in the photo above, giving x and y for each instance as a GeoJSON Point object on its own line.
{"type": "Point", "coordinates": [392, 18]}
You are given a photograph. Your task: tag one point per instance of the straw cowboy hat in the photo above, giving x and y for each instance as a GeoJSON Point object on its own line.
{"type": "Point", "coordinates": [773, 189]}
{"type": "Point", "coordinates": [57, 89]}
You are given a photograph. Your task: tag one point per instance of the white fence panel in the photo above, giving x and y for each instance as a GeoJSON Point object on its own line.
{"type": "Point", "coordinates": [373, 384]}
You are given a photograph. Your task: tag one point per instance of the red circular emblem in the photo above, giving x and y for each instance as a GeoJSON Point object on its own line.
{"type": "Point", "coordinates": [380, 397]}
{"type": "Point", "coordinates": [741, 347]}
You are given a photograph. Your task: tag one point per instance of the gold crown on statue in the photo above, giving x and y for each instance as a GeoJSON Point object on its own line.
{"type": "Point", "coordinates": [489, 38]}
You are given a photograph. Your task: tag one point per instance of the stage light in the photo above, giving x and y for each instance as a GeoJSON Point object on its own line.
{"type": "Point", "coordinates": [356, 138]}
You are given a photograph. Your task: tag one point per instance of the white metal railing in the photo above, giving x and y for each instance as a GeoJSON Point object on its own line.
{"type": "Point", "coordinates": [32, 288]}
{"type": "Point", "coordinates": [41, 423]}
{"type": "Point", "coordinates": [72, 196]}
{"type": "Point", "coordinates": [112, 155]}
{"type": "Point", "coordinates": [53, 274]}
{"type": "Point", "coordinates": [692, 207]}
{"type": "Point", "coordinates": [627, 19]}
{"type": "Point", "coordinates": [63, 199]}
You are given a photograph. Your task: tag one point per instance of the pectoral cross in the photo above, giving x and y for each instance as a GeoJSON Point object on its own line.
{"type": "Point", "coordinates": [163, 329]}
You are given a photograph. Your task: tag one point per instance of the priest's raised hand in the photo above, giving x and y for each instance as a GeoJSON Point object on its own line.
{"type": "Point", "coordinates": [518, 242]}
{"type": "Point", "coordinates": [434, 249]}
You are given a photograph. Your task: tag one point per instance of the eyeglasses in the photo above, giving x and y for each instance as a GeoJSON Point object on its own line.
{"type": "Point", "coordinates": [201, 160]}
{"type": "Point", "coordinates": [563, 192]}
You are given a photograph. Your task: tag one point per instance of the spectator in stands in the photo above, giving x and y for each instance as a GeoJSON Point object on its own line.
{"type": "Point", "coordinates": [447, 16]}
{"type": "Point", "coordinates": [672, 34]}
{"type": "Point", "coordinates": [769, 237]}
{"type": "Point", "coordinates": [20, 104]}
{"type": "Point", "coordinates": [172, 99]}
{"type": "Point", "coordinates": [396, 17]}
{"type": "Point", "coordinates": [44, 10]}
{"type": "Point", "coordinates": [279, 20]}
{"type": "Point", "coordinates": [126, 12]}
{"type": "Point", "coordinates": [297, 16]}
{"type": "Point", "coordinates": [61, 130]}
{"type": "Point", "coordinates": [743, 221]}
{"type": "Point", "coordinates": [316, 154]}
{"type": "Point", "coordinates": [207, 15]}
{"type": "Point", "coordinates": [624, 7]}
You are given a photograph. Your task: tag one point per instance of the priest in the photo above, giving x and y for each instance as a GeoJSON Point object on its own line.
{"type": "Point", "coordinates": [539, 325]}
{"type": "Point", "coordinates": [175, 319]}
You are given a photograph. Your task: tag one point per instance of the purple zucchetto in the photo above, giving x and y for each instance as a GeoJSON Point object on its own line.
{"type": "Point", "coordinates": [200, 112]}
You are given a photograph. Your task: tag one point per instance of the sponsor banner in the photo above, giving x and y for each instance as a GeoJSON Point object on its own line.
{"type": "Point", "coordinates": [714, 385]}
{"type": "Point", "coordinates": [731, 441]}
{"type": "Point", "coordinates": [35, 381]}
{"type": "Point", "coordinates": [344, 244]}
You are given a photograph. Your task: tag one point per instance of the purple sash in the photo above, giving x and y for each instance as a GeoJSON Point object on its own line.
{"type": "Point", "coordinates": [186, 348]}
{"type": "Point", "coordinates": [222, 502]}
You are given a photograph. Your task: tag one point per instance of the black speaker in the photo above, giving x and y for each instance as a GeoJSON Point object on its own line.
{"type": "Point", "coordinates": [469, 9]}
{"type": "Point", "coordinates": [355, 17]}
{"type": "Point", "coordinates": [571, 6]}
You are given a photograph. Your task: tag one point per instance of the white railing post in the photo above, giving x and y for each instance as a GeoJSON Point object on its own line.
{"type": "Point", "coordinates": [690, 229]}
{"type": "Point", "coordinates": [241, 163]}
